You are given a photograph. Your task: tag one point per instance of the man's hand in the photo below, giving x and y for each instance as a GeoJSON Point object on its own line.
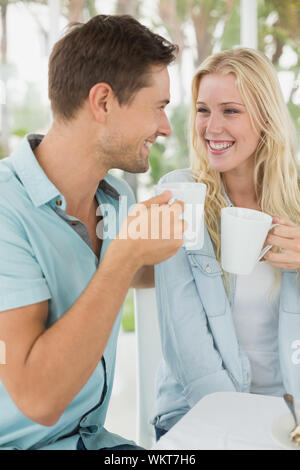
{"type": "Point", "coordinates": [153, 230]}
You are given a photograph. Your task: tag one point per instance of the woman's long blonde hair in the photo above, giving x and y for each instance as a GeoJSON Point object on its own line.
{"type": "Point", "coordinates": [276, 173]}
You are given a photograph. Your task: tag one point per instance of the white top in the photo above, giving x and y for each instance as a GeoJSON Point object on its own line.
{"type": "Point", "coordinates": [255, 316]}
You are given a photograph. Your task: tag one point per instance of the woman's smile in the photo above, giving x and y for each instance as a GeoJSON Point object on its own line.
{"type": "Point", "coordinates": [219, 147]}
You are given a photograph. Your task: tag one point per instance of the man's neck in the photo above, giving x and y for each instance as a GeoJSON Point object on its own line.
{"type": "Point", "coordinates": [67, 157]}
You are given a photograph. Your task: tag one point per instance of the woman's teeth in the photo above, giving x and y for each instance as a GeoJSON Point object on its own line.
{"type": "Point", "coordinates": [220, 145]}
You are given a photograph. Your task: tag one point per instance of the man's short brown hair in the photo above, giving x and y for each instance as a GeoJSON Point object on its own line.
{"type": "Point", "coordinates": [117, 50]}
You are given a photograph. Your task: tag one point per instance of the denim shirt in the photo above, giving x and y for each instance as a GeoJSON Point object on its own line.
{"type": "Point", "coordinates": [201, 351]}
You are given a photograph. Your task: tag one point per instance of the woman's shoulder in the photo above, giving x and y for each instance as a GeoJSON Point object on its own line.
{"type": "Point", "coordinates": [183, 175]}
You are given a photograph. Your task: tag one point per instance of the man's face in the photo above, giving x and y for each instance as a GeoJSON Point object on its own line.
{"type": "Point", "coordinates": [131, 129]}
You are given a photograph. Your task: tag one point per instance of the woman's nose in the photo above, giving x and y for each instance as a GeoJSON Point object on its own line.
{"type": "Point", "coordinates": [214, 124]}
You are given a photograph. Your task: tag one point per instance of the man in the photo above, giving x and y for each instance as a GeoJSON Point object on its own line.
{"type": "Point", "coordinates": [61, 285]}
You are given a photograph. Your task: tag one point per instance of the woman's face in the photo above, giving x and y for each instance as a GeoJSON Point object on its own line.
{"type": "Point", "coordinates": [223, 124]}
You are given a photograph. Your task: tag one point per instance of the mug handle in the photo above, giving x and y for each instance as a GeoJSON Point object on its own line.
{"type": "Point", "coordinates": [268, 247]}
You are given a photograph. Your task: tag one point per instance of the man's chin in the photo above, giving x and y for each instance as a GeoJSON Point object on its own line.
{"type": "Point", "coordinates": [144, 168]}
{"type": "Point", "coordinates": [138, 165]}
{"type": "Point", "coordinates": [141, 167]}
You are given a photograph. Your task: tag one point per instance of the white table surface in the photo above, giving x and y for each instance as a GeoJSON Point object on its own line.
{"type": "Point", "coordinates": [226, 420]}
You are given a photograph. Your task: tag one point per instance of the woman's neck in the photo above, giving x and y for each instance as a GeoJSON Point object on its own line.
{"type": "Point", "coordinates": [241, 190]}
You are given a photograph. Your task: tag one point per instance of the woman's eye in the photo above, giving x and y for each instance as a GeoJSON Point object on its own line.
{"type": "Point", "coordinates": [230, 111]}
{"type": "Point", "coordinates": [202, 110]}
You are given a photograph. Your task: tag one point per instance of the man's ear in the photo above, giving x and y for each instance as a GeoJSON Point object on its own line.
{"type": "Point", "coordinates": [100, 98]}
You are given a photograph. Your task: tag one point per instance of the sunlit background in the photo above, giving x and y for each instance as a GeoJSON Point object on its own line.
{"type": "Point", "coordinates": [28, 30]}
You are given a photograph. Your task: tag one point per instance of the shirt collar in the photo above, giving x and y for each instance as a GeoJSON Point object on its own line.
{"type": "Point", "coordinates": [35, 181]}
{"type": "Point", "coordinates": [225, 195]}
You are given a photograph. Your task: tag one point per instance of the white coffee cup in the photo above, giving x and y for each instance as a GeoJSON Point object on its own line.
{"type": "Point", "coordinates": [193, 196]}
{"type": "Point", "coordinates": [243, 233]}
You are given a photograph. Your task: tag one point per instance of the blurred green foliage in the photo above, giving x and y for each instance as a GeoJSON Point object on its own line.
{"type": "Point", "coordinates": [128, 312]}
{"type": "Point", "coordinates": [30, 115]}
{"type": "Point", "coordinates": [173, 154]}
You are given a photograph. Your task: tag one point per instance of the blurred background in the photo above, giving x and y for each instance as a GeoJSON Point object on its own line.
{"type": "Point", "coordinates": [28, 30]}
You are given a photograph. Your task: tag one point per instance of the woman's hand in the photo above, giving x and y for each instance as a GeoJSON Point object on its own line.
{"type": "Point", "coordinates": [285, 236]}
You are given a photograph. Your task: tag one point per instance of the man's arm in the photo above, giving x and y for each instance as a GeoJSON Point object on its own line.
{"type": "Point", "coordinates": [46, 368]}
{"type": "Point", "coordinates": [143, 278]}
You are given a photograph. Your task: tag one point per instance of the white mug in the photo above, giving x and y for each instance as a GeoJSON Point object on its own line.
{"type": "Point", "coordinates": [193, 196]}
{"type": "Point", "coordinates": [243, 233]}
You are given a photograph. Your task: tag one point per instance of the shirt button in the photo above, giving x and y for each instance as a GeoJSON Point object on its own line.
{"type": "Point", "coordinates": [208, 268]}
{"type": "Point", "coordinates": [83, 420]}
{"type": "Point", "coordinates": [58, 202]}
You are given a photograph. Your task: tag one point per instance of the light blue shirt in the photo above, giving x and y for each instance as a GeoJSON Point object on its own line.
{"type": "Point", "coordinates": [46, 255]}
{"type": "Point", "coordinates": [202, 353]}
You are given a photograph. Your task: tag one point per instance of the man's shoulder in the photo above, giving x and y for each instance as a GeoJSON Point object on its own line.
{"type": "Point", "coordinates": [13, 198]}
{"type": "Point", "coordinates": [6, 172]}
{"type": "Point", "coordinates": [183, 175]}
{"type": "Point", "coordinates": [8, 183]}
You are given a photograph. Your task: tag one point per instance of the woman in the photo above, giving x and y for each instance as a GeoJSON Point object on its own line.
{"type": "Point", "coordinates": [223, 332]}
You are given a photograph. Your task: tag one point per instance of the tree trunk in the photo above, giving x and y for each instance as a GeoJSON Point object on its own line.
{"type": "Point", "coordinates": [278, 51]}
{"type": "Point", "coordinates": [75, 10]}
{"type": "Point", "coordinates": [128, 7]}
{"type": "Point", "coordinates": [172, 23]}
{"type": "Point", "coordinates": [4, 32]}
{"type": "Point", "coordinates": [203, 37]}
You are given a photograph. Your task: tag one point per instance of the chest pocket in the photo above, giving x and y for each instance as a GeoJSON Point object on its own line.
{"type": "Point", "coordinates": [290, 293]}
{"type": "Point", "coordinates": [208, 278]}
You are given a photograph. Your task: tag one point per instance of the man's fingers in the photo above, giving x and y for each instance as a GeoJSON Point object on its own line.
{"type": "Point", "coordinates": [177, 204]}
{"type": "Point", "coordinates": [162, 198]}
{"type": "Point", "coordinates": [185, 225]}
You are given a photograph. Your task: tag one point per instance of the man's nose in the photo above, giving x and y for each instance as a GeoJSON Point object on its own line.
{"type": "Point", "coordinates": [164, 128]}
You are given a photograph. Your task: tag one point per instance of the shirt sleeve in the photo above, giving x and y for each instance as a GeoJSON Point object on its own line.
{"type": "Point", "coordinates": [21, 279]}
